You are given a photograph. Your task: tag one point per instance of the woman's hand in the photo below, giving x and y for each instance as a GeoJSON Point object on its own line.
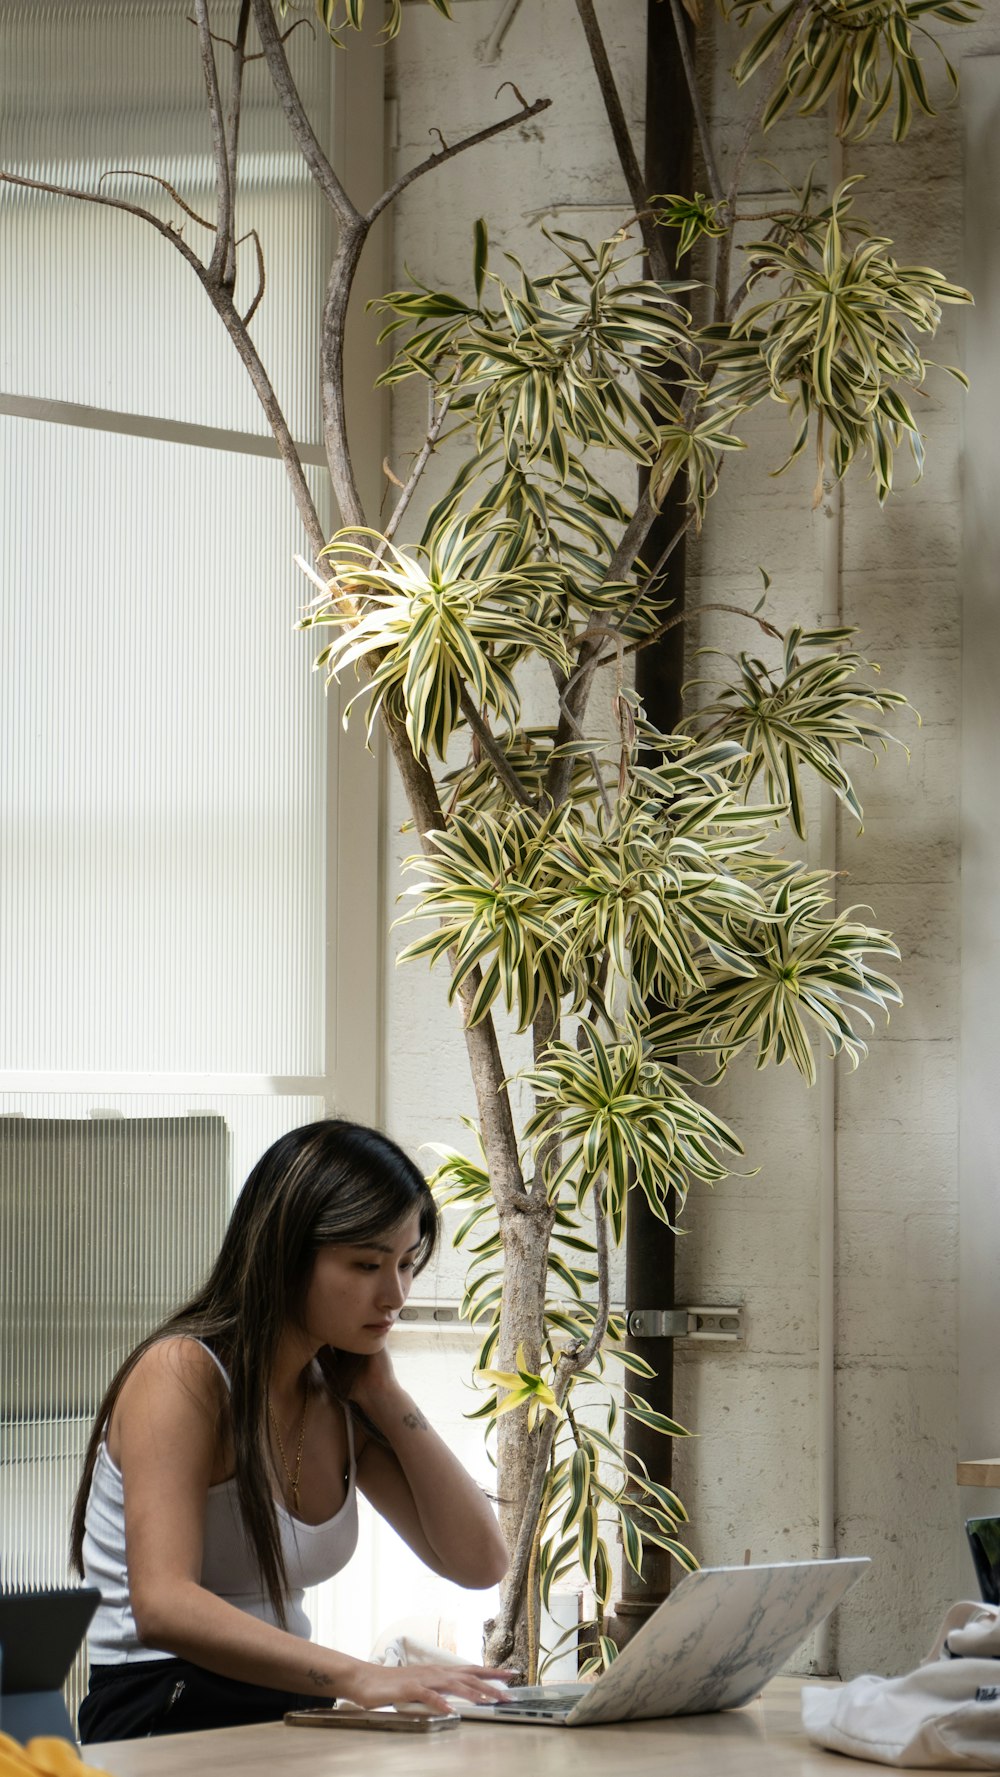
{"type": "Point", "coordinates": [427, 1687]}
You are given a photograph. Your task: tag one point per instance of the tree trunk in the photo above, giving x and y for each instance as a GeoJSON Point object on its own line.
{"type": "Point", "coordinates": [525, 1233]}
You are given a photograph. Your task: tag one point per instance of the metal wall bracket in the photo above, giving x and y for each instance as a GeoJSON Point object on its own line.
{"type": "Point", "coordinates": [642, 1323]}
{"type": "Point", "coordinates": [686, 1323]}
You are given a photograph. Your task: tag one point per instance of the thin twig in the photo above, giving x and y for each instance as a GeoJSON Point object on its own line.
{"type": "Point", "coordinates": [571, 720]}
{"type": "Point", "coordinates": [261, 277]}
{"type": "Point", "coordinates": [449, 153]}
{"type": "Point", "coordinates": [685, 617]}
{"type": "Point", "coordinates": [716, 186]}
{"type": "Point", "coordinates": [422, 459]}
{"type": "Point", "coordinates": [501, 765]}
{"type": "Point", "coordinates": [662, 560]}
{"type": "Point", "coordinates": [137, 173]}
{"type": "Point", "coordinates": [167, 229]}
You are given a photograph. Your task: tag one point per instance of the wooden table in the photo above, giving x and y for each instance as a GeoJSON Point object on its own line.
{"type": "Point", "coordinates": [763, 1739]}
{"type": "Point", "coordinates": [979, 1474]}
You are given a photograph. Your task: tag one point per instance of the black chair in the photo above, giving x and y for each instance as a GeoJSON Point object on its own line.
{"type": "Point", "coordinates": [39, 1636]}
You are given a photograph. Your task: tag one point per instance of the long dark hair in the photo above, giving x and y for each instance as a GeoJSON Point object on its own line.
{"type": "Point", "coordinates": [327, 1184]}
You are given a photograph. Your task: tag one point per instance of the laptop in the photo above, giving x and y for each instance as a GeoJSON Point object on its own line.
{"type": "Point", "coordinates": [984, 1542]}
{"type": "Point", "coordinates": [718, 1638]}
{"type": "Point", "coordinates": [39, 1636]}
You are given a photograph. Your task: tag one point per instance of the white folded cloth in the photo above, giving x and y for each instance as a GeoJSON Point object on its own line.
{"type": "Point", "coordinates": [945, 1714]}
{"type": "Point", "coordinates": [407, 1650]}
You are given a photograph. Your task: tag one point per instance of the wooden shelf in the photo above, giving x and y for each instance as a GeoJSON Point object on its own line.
{"type": "Point", "coordinates": [979, 1474]}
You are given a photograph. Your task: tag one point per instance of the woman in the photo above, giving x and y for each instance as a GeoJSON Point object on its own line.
{"type": "Point", "coordinates": [221, 1475]}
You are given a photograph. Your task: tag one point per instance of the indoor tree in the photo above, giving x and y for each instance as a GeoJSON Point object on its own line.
{"type": "Point", "coordinates": [613, 892]}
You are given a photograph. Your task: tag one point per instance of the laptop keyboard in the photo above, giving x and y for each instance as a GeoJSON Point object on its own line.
{"type": "Point", "coordinates": [541, 1699]}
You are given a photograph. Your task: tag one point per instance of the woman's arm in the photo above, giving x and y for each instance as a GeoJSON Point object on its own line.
{"type": "Point", "coordinates": [165, 1438]}
{"type": "Point", "coordinates": [421, 1488]}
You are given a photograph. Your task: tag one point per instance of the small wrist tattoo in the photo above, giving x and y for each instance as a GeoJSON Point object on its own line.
{"type": "Point", "coordinates": [321, 1680]}
{"type": "Point", "coordinates": [415, 1420]}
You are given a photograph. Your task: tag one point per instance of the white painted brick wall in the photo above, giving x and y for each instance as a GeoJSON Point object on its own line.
{"type": "Point", "coordinates": [750, 1478]}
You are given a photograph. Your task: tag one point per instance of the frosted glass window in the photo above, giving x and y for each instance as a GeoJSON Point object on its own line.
{"type": "Point", "coordinates": [162, 864]}
{"type": "Point", "coordinates": [108, 84]}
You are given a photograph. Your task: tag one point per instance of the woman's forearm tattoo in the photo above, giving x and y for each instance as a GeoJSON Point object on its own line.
{"type": "Point", "coordinates": [415, 1420]}
{"type": "Point", "coordinates": [321, 1680]}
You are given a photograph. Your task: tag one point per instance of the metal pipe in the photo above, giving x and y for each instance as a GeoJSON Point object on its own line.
{"type": "Point", "coordinates": [494, 42]}
{"type": "Point", "coordinates": [826, 1443]}
{"type": "Point", "coordinates": [650, 1244]}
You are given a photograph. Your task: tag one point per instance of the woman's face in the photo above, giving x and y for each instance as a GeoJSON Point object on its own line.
{"type": "Point", "coordinates": [356, 1292]}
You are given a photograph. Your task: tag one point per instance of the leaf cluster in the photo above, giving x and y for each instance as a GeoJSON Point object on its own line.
{"type": "Point", "coordinates": [834, 339]}
{"type": "Point", "coordinates": [866, 52]}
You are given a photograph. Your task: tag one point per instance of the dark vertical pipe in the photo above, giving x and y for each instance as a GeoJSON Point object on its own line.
{"type": "Point", "coordinates": [650, 1244]}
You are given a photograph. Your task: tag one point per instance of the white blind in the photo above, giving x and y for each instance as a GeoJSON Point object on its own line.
{"type": "Point", "coordinates": [166, 778]}
{"type": "Point", "coordinates": [162, 885]}
{"type": "Point", "coordinates": [95, 306]}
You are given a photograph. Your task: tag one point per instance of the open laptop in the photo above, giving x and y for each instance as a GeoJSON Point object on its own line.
{"type": "Point", "coordinates": [39, 1635]}
{"type": "Point", "coordinates": [712, 1644]}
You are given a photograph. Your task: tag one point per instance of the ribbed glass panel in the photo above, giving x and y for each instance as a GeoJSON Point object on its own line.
{"type": "Point", "coordinates": [108, 1220]}
{"type": "Point", "coordinates": [162, 863]}
{"type": "Point", "coordinates": [107, 1223]}
{"type": "Point", "coordinates": [106, 84]}
{"type": "Point", "coordinates": [165, 787]}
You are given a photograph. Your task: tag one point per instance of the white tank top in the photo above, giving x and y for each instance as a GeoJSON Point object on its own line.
{"type": "Point", "coordinates": [312, 1552]}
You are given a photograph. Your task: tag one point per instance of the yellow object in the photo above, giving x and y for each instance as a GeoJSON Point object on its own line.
{"type": "Point", "coordinates": [13, 1758]}
{"type": "Point", "coordinates": [42, 1757]}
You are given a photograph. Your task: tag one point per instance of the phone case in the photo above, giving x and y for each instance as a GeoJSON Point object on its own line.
{"type": "Point", "coordinates": [389, 1721]}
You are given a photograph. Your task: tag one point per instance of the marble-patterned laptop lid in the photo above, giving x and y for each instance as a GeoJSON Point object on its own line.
{"type": "Point", "coordinates": [717, 1639]}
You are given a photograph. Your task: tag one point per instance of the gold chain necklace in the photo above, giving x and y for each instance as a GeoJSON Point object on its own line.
{"type": "Point", "coordinates": [293, 1480]}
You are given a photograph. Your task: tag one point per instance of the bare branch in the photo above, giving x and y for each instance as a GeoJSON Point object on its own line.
{"type": "Point", "coordinates": [258, 299]}
{"type": "Point", "coordinates": [236, 327]}
{"type": "Point", "coordinates": [223, 181]}
{"type": "Point", "coordinates": [494, 752]}
{"type": "Point", "coordinates": [166, 229]}
{"type": "Point", "coordinates": [230, 43]}
{"type": "Point", "coordinates": [574, 700]}
{"type": "Point", "coordinates": [701, 121]}
{"type": "Point", "coordinates": [686, 616]}
{"type": "Point", "coordinates": [651, 236]}
{"type": "Point", "coordinates": [422, 459]}
{"type": "Point", "coordinates": [339, 284]}
{"type": "Point", "coordinates": [316, 160]}
{"type": "Point", "coordinates": [239, 49]}
{"type": "Point", "coordinates": [570, 719]}
{"type": "Point", "coordinates": [437, 160]}
{"type": "Point", "coordinates": [135, 173]}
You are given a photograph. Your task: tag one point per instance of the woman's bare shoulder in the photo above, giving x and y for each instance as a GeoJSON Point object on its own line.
{"type": "Point", "coordinates": [175, 1371]}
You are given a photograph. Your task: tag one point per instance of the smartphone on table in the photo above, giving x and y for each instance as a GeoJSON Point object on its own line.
{"type": "Point", "coordinates": [390, 1721]}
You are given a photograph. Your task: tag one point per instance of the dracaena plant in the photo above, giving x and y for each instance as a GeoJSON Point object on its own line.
{"type": "Point", "coordinates": [613, 890]}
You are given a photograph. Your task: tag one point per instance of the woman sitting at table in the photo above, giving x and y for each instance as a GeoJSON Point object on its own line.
{"type": "Point", "coordinates": [222, 1473]}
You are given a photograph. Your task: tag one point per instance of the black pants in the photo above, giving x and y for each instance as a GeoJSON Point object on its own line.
{"type": "Point", "coordinates": [145, 1697]}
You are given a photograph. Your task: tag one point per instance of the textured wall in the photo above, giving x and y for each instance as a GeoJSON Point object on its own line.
{"type": "Point", "coordinates": [750, 1478]}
